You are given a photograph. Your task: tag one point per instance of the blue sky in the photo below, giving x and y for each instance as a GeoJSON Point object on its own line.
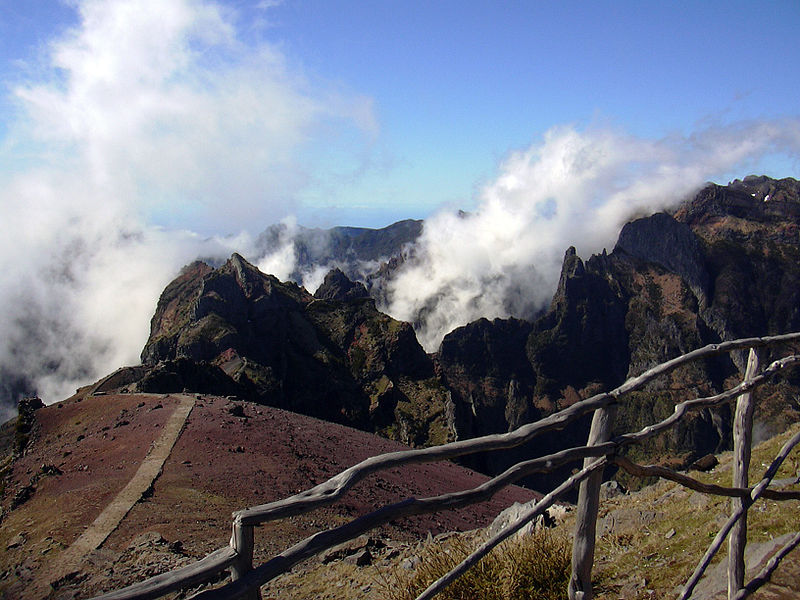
{"type": "Point", "coordinates": [457, 85]}
{"type": "Point", "coordinates": [453, 87]}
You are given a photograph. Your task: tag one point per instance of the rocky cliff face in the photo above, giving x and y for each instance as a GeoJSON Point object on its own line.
{"type": "Point", "coordinates": [236, 330]}
{"type": "Point", "coordinates": [663, 241]}
{"type": "Point", "coordinates": [726, 264]}
{"type": "Point", "coordinates": [750, 231]}
{"type": "Point", "coordinates": [484, 366]}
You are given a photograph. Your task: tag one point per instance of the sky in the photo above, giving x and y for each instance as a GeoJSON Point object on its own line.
{"type": "Point", "coordinates": [137, 135]}
{"type": "Point", "coordinates": [415, 104]}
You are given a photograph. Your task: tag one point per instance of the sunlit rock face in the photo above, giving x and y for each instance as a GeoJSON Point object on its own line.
{"type": "Point", "coordinates": [750, 232]}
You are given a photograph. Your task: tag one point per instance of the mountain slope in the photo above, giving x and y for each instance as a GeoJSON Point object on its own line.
{"type": "Point", "coordinates": [230, 455]}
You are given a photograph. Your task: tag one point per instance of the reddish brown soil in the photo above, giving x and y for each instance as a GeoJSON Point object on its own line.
{"type": "Point", "coordinates": [219, 464]}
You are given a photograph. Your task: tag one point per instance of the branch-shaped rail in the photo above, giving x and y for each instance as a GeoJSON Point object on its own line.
{"type": "Point", "coordinates": [681, 409]}
{"type": "Point", "coordinates": [332, 489]}
{"type": "Point", "coordinates": [699, 486]}
{"type": "Point", "coordinates": [194, 574]}
{"type": "Point", "coordinates": [765, 573]}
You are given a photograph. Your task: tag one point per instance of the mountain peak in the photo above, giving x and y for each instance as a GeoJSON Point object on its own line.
{"type": "Point", "coordinates": [237, 329]}
{"type": "Point", "coordinates": [761, 200]}
{"type": "Point", "coordinates": [337, 286]}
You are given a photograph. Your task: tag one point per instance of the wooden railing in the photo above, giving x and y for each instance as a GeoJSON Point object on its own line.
{"type": "Point", "coordinates": [602, 449]}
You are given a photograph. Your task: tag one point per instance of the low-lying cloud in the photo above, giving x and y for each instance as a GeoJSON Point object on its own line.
{"type": "Point", "coordinates": [572, 188]}
{"type": "Point", "coordinates": [139, 135]}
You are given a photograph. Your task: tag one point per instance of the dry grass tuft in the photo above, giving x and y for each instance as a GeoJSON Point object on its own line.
{"type": "Point", "coordinates": [534, 568]}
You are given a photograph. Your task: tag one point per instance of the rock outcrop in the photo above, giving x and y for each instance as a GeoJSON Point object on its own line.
{"type": "Point", "coordinates": [725, 264]}
{"type": "Point", "coordinates": [236, 331]}
{"type": "Point", "coordinates": [483, 365]}
{"type": "Point", "coordinates": [663, 241]}
{"type": "Point", "coordinates": [336, 286]}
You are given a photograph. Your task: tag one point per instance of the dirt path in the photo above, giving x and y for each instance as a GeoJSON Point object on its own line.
{"type": "Point", "coordinates": [70, 560]}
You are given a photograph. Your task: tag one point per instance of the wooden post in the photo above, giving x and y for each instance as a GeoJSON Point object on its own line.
{"type": "Point", "coordinates": [580, 585]}
{"type": "Point", "coordinates": [742, 441]}
{"type": "Point", "coordinates": [242, 542]}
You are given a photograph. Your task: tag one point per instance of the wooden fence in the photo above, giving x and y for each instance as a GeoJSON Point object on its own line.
{"type": "Point", "coordinates": [601, 450]}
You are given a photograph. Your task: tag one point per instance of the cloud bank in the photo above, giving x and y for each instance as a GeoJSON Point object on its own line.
{"type": "Point", "coordinates": [571, 188]}
{"type": "Point", "coordinates": [139, 134]}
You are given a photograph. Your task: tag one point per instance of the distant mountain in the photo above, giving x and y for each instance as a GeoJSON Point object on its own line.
{"type": "Point", "coordinates": [357, 251]}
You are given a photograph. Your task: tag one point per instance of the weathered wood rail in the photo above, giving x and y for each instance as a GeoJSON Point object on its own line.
{"type": "Point", "coordinates": [601, 449]}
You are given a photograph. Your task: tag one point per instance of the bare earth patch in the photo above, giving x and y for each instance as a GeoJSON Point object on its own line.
{"type": "Point", "coordinates": [230, 455]}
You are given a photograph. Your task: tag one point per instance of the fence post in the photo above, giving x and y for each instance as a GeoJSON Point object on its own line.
{"type": "Point", "coordinates": [242, 542]}
{"type": "Point", "coordinates": [742, 440]}
{"type": "Point", "coordinates": [580, 584]}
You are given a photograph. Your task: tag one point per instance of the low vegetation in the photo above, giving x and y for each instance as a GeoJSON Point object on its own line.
{"type": "Point", "coordinates": [657, 537]}
{"type": "Point", "coordinates": [536, 567]}
{"type": "Point", "coordinates": [656, 556]}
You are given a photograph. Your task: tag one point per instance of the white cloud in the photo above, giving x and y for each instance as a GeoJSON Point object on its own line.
{"type": "Point", "coordinates": [149, 119]}
{"type": "Point", "coordinates": [573, 188]}
{"type": "Point", "coordinates": [282, 261]}
{"type": "Point", "coordinates": [159, 101]}
{"type": "Point", "coordinates": [267, 4]}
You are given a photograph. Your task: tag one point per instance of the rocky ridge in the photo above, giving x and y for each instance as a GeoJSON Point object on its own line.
{"type": "Point", "coordinates": [234, 330]}
{"type": "Point", "coordinates": [357, 251]}
{"type": "Point", "coordinates": [724, 265]}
